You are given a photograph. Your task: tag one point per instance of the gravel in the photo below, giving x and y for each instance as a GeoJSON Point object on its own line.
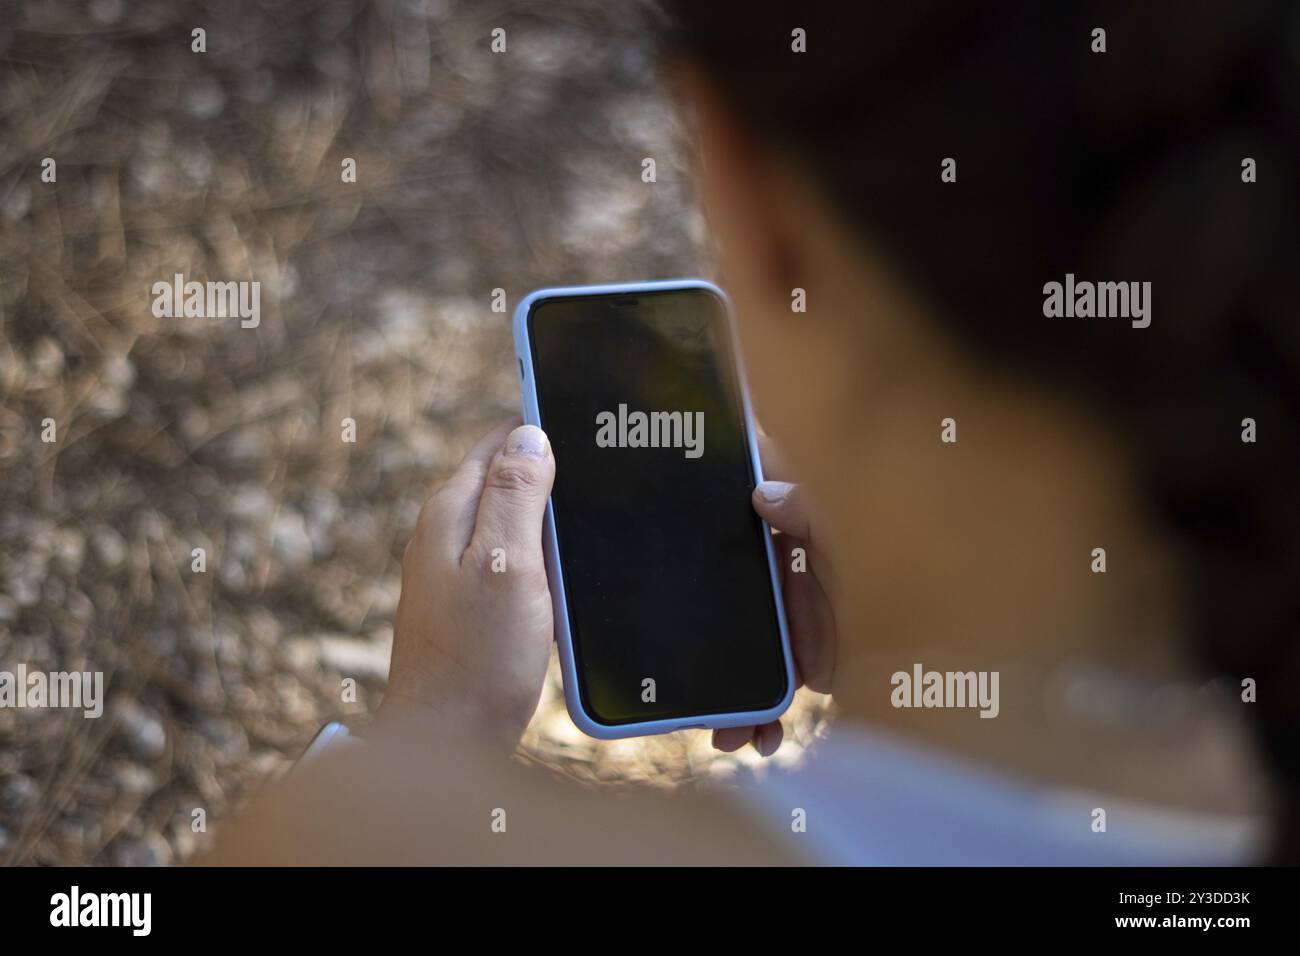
{"type": "Point", "coordinates": [475, 171]}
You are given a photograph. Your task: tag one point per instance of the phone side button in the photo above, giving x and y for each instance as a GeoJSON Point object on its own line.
{"type": "Point", "coordinates": [692, 727]}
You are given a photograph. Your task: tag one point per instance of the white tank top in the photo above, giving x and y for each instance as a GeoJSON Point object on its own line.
{"type": "Point", "coordinates": [870, 798]}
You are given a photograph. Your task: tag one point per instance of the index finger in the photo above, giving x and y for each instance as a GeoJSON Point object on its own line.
{"type": "Point", "coordinates": [452, 509]}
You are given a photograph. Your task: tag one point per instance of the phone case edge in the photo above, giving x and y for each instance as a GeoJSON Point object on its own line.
{"type": "Point", "coordinates": [555, 576]}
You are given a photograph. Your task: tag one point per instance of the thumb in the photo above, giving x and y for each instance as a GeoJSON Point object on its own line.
{"type": "Point", "coordinates": [513, 502]}
{"type": "Point", "coordinates": [782, 505]}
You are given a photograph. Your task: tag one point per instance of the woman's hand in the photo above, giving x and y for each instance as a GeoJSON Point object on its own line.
{"type": "Point", "coordinates": [807, 609]}
{"type": "Point", "coordinates": [473, 632]}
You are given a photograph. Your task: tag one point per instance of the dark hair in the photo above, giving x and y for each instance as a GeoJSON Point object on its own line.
{"type": "Point", "coordinates": [1122, 165]}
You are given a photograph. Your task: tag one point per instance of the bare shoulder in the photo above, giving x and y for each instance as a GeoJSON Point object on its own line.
{"type": "Point", "coordinates": [398, 803]}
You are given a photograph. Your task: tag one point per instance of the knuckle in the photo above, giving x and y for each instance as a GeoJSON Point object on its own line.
{"type": "Point", "coordinates": [514, 477]}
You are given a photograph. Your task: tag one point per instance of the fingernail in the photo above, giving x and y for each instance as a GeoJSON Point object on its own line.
{"type": "Point", "coordinates": [528, 441]}
{"type": "Point", "coordinates": [774, 492]}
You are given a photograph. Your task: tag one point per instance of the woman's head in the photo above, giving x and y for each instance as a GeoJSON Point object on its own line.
{"type": "Point", "coordinates": [1169, 157]}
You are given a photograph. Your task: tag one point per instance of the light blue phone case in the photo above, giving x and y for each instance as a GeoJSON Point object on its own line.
{"type": "Point", "coordinates": [572, 694]}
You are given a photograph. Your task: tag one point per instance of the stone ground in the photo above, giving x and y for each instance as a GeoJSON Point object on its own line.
{"type": "Point", "coordinates": [476, 171]}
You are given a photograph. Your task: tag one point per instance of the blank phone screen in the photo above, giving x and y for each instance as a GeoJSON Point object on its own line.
{"type": "Point", "coordinates": [671, 606]}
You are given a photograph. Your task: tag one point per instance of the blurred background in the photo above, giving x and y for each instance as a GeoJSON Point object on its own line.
{"type": "Point", "coordinates": [475, 171]}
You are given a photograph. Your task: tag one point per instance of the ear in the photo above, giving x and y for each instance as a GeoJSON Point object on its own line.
{"type": "Point", "coordinates": [744, 189]}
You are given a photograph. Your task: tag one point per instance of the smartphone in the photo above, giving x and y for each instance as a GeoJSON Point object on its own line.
{"type": "Point", "coordinates": [667, 593]}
